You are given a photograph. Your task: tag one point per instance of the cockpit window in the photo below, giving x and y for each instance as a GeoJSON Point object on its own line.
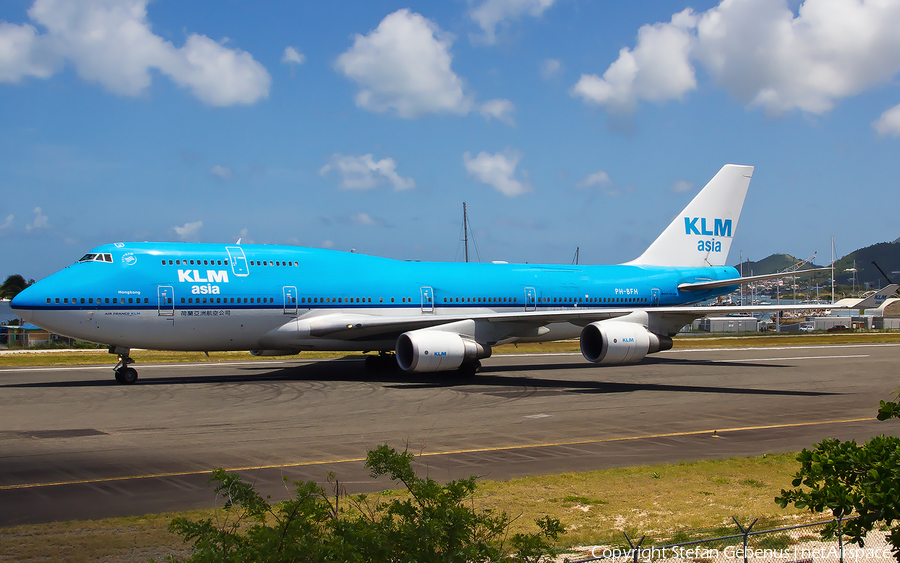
{"type": "Point", "coordinates": [106, 257]}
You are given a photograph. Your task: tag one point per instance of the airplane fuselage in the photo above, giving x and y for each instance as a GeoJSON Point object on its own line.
{"type": "Point", "coordinates": [179, 296]}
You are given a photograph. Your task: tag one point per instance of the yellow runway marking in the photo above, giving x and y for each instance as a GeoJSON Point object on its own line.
{"type": "Point", "coordinates": [719, 432]}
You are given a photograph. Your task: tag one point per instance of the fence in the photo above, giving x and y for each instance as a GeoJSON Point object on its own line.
{"type": "Point", "coordinates": [802, 543]}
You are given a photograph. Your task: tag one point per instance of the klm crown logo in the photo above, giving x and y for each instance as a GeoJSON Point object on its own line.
{"type": "Point", "coordinates": [721, 227]}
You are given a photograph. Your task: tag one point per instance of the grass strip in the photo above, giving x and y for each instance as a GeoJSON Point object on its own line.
{"type": "Point", "coordinates": [683, 501]}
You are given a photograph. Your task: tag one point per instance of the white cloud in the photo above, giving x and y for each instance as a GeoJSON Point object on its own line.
{"type": "Point", "coordinates": [599, 178]}
{"type": "Point", "coordinates": [8, 222]}
{"type": "Point", "coordinates": [363, 173]}
{"type": "Point", "coordinates": [760, 52]}
{"type": "Point", "coordinates": [221, 172]}
{"type": "Point", "coordinates": [327, 244]}
{"type": "Point", "coordinates": [498, 109]}
{"type": "Point", "coordinates": [293, 56]}
{"type": "Point", "coordinates": [550, 68]}
{"type": "Point", "coordinates": [497, 170]}
{"type": "Point", "coordinates": [40, 221]}
{"type": "Point", "coordinates": [363, 219]}
{"type": "Point", "coordinates": [404, 65]}
{"type": "Point", "coordinates": [682, 186]}
{"type": "Point", "coordinates": [189, 230]}
{"type": "Point", "coordinates": [889, 122]}
{"type": "Point", "coordinates": [657, 69]}
{"type": "Point", "coordinates": [24, 53]}
{"type": "Point", "coordinates": [492, 13]}
{"type": "Point", "coordinates": [111, 42]}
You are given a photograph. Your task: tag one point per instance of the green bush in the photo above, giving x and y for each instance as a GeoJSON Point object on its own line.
{"type": "Point", "coordinates": [431, 523]}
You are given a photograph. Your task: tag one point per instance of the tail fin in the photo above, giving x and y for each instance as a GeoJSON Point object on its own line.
{"type": "Point", "coordinates": [874, 301]}
{"type": "Point", "coordinates": [701, 234]}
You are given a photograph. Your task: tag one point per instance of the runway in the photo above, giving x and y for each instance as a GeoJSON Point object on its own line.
{"type": "Point", "coordinates": [77, 445]}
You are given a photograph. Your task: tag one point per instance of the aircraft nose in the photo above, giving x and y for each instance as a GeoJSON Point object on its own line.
{"type": "Point", "coordinates": [23, 304]}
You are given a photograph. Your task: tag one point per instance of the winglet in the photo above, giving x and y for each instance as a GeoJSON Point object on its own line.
{"type": "Point", "coordinates": [701, 234]}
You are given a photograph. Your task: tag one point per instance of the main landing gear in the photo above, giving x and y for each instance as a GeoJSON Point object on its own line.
{"type": "Point", "coordinates": [383, 361]}
{"type": "Point", "coordinates": [124, 374]}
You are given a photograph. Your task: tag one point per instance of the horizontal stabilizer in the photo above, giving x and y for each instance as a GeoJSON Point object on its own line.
{"type": "Point", "coordinates": [704, 285]}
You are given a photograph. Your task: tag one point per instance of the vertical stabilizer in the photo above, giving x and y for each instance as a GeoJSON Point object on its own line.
{"type": "Point", "coordinates": [701, 234]}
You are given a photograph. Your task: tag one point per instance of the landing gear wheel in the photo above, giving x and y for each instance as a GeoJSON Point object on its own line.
{"type": "Point", "coordinates": [126, 375]}
{"type": "Point", "coordinates": [468, 369]}
{"type": "Point", "coordinates": [381, 362]}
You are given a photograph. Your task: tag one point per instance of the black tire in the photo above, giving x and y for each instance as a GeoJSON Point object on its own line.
{"type": "Point", "coordinates": [469, 369]}
{"type": "Point", "coordinates": [127, 376]}
{"type": "Point", "coordinates": [382, 362]}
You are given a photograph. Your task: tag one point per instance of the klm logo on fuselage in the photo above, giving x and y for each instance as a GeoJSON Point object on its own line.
{"type": "Point", "coordinates": [721, 228]}
{"type": "Point", "coordinates": [212, 276]}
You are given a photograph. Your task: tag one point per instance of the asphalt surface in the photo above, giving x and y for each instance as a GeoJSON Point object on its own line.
{"type": "Point", "coordinates": [74, 444]}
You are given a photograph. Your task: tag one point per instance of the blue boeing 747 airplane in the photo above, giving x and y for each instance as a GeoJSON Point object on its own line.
{"type": "Point", "coordinates": [432, 316]}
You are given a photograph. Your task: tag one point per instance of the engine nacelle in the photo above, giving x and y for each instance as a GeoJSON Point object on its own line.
{"type": "Point", "coordinates": [274, 352]}
{"type": "Point", "coordinates": [616, 342]}
{"type": "Point", "coordinates": [433, 350]}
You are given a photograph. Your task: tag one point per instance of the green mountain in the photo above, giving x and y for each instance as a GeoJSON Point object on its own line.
{"type": "Point", "coordinates": [772, 264]}
{"type": "Point", "coordinates": [886, 254]}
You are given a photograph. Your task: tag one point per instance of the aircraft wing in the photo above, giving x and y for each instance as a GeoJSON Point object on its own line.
{"type": "Point", "coordinates": [365, 327]}
{"type": "Point", "coordinates": [703, 285]}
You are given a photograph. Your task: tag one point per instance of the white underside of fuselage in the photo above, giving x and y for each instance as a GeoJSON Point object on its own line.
{"type": "Point", "coordinates": [238, 329]}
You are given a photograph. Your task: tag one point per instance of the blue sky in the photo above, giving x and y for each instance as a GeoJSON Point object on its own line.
{"type": "Point", "coordinates": [365, 125]}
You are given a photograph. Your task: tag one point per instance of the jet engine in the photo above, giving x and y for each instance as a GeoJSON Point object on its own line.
{"type": "Point", "coordinates": [616, 342]}
{"type": "Point", "coordinates": [434, 350]}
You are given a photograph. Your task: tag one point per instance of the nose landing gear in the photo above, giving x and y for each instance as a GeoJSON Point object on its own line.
{"type": "Point", "coordinates": [124, 374]}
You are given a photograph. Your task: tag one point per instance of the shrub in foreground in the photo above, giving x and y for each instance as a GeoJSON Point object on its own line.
{"type": "Point", "coordinates": [433, 522]}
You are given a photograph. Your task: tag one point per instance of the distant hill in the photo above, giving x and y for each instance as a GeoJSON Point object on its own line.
{"type": "Point", "coordinates": [771, 264]}
{"type": "Point", "coordinates": [886, 254]}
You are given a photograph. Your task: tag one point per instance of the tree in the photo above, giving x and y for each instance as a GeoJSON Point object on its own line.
{"type": "Point", "coordinates": [432, 523]}
{"type": "Point", "coordinates": [846, 479]}
{"type": "Point", "coordinates": [13, 285]}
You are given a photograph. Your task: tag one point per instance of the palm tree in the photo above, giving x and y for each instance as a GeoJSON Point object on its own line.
{"type": "Point", "coordinates": [13, 285]}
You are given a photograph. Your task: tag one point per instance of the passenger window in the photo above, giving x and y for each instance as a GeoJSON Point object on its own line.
{"type": "Point", "coordinates": [115, 300]}
{"type": "Point", "coordinates": [226, 262]}
{"type": "Point", "coordinates": [57, 299]}
{"type": "Point", "coordinates": [170, 262]}
{"type": "Point", "coordinates": [392, 299]}
{"type": "Point", "coordinates": [105, 301]}
{"type": "Point", "coordinates": [163, 262]}
{"type": "Point", "coordinates": [219, 262]}
{"type": "Point", "coordinates": [182, 299]}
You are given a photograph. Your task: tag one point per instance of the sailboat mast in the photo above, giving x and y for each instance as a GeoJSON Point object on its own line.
{"type": "Point", "coordinates": [466, 231]}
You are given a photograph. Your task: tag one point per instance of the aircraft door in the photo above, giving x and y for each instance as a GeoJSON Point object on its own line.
{"type": "Point", "coordinates": [427, 299]}
{"type": "Point", "coordinates": [239, 265]}
{"type": "Point", "coordinates": [290, 300]}
{"type": "Point", "coordinates": [654, 297]}
{"type": "Point", "coordinates": [166, 300]}
{"type": "Point", "coordinates": [530, 299]}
